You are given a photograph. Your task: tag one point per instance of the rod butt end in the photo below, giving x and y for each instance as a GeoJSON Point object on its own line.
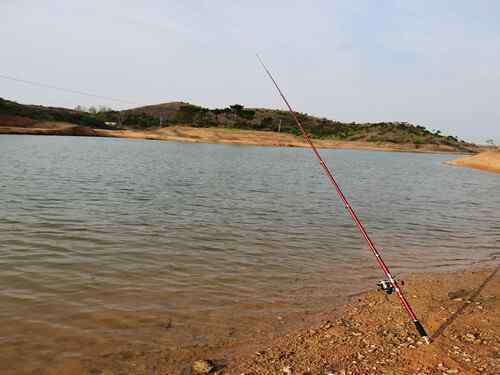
{"type": "Point", "coordinates": [422, 332]}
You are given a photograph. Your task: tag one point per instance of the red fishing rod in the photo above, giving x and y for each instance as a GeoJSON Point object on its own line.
{"type": "Point", "coordinates": [390, 285]}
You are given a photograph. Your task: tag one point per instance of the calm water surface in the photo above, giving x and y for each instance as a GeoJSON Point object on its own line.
{"type": "Point", "coordinates": [105, 240]}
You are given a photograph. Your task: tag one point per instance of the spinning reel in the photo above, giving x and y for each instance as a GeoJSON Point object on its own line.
{"type": "Point", "coordinates": [387, 286]}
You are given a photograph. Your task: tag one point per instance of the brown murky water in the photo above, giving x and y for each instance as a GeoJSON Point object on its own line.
{"type": "Point", "coordinates": [107, 243]}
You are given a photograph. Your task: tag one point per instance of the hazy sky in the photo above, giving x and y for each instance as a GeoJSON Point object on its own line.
{"type": "Point", "coordinates": [433, 63]}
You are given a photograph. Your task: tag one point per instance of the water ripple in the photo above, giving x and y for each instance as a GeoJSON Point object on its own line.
{"type": "Point", "coordinates": [93, 229]}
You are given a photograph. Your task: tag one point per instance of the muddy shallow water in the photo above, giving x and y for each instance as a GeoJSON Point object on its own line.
{"type": "Point", "coordinates": [111, 242]}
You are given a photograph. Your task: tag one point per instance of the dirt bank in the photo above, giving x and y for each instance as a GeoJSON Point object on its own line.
{"type": "Point", "coordinates": [371, 335]}
{"type": "Point", "coordinates": [210, 135]}
{"type": "Point", "coordinates": [486, 161]}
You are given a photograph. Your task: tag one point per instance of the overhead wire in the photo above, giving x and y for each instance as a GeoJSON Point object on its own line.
{"type": "Point", "coordinates": [65, 89]}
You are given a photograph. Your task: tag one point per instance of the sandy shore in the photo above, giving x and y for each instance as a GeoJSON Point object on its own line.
{"type": "Point", "coordinates": [370, 335]}
{"type": "Point", "coordinates": [486, 161]}
{"type": "Point", "coordinates": [215, 135]}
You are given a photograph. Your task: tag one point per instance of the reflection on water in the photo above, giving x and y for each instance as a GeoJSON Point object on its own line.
{"type": "Point", "coordinates": [105, 239]}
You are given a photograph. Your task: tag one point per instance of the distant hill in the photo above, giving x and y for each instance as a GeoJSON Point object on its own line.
{"type": "Point", "coordinates": [234, 117]}
{"type": "Point", "coordinates": [13, 114]}
{"type": "Point", "coordinates": [238, 117]}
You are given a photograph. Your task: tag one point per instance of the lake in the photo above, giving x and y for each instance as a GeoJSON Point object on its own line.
{"type": "Point", "coordinates": [111, 243]}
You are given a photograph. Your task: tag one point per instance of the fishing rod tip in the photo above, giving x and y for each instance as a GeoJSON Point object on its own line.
{"type": "Point", "coordinates": [259, 58]}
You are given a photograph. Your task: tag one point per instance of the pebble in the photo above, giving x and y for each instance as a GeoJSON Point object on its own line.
{"type": "Point", "coordinates": [442, 367]}
{"type": "Point", "coordinates": [202, 367]}
{"type": "Point", "coordinates": [457, 294]}
{"type": "Point", "coordinates": [469, 337]}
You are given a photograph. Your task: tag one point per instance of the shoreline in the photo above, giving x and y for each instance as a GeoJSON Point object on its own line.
{"type": "Point", "coordinates": [370, 334]}
{"type": "Point", "coordinates": [222, 136]}
{"type": "Point", "coordinates": [373, 334]}
{"type": "Point", "coordinates": [488, 161]}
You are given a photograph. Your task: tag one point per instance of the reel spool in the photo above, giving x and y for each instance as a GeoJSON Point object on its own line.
{"type": "Point", "coordinates": [386, 286]}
